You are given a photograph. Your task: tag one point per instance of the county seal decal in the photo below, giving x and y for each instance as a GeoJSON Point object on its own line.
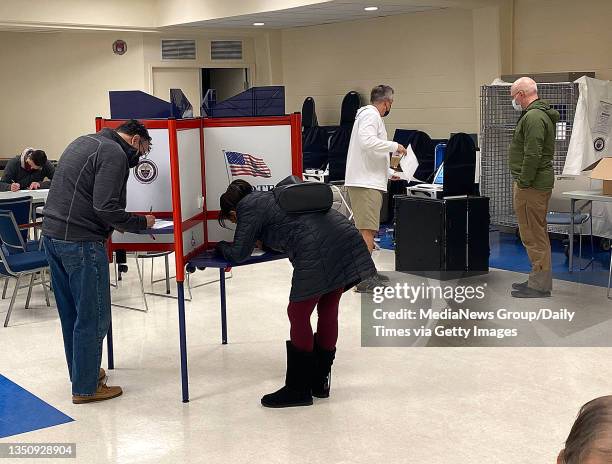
{"type": "Point", "coordinates": [599, 144]}
{"type": "Point", "coordinates": [145, 171]}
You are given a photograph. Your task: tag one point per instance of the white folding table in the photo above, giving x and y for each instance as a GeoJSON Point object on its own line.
{"type": "Point", "coordinates": [581, 195]}
{"type": "Point", "coordinates": [39, 197]}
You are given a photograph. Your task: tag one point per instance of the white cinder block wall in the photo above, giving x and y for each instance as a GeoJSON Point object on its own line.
{"type": "Point", "coordinates": [428, 58]}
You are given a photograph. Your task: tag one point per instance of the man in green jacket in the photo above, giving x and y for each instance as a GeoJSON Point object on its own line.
{"type": "Point", "coordinates": [531, 163]}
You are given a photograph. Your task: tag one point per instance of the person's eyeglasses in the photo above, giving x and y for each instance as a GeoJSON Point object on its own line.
{"type": "Point", "coordinates": [143, 150]}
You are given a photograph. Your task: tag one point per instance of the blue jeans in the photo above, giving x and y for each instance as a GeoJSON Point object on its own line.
{"type": "Point", "coordinates": [81, 283]}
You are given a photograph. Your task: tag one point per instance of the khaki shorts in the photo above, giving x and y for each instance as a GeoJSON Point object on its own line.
{"type": "Point", "coordinates": [366, 204]}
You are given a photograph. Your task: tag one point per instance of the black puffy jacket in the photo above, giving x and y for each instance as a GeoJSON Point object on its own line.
{"type": "Point", "coordinates": [325, 249]}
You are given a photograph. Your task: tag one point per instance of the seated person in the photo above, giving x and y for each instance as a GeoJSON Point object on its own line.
{"type": "Point", "coordinates": [27, 171]}
{"type": "Point", "coordinates": [590, 440]}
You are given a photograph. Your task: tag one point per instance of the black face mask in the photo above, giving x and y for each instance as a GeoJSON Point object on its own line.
{"type": "Point", "coordinates": [386, 113]}
{"type": "Point", "coordinates": [133, 157]}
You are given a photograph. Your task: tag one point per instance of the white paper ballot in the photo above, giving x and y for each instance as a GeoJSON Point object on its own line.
{"type": "Point", "coordinates": [162, 224]}
{"type": "Point", "coordinates": [31, 191]}
{"type": "Point", "coordinates": [257, 252]}
{"type": "Point", "coordinates": [409, 165]}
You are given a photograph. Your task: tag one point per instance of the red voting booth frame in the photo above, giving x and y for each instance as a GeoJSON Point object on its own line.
{"type": "Point", "coordinates": [183, 224]}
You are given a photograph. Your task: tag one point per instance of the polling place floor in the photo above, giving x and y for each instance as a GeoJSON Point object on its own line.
{"type": "Point", "coordinates": [418, 405]}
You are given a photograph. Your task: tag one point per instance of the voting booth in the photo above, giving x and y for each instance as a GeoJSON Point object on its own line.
{"type": "Point", "coordinates": [191, 163]}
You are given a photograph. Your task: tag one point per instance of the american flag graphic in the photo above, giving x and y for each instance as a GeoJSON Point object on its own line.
{"type": "Point", "coordinates": [243, 164]}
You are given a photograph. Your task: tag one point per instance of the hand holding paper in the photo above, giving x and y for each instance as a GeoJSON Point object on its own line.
{"type": "Point", "coordinates": [409, 165]}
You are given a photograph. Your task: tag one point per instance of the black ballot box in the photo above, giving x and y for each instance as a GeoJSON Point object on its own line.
{"type": "Point", "coordinates": [444, 238]}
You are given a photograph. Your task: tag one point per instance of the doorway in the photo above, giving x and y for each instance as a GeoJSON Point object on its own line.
{"type": "Point", "coordinates": [226, 81]}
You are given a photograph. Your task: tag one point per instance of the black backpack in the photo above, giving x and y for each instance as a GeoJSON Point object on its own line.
{"type": "Point", "coordinates": [295, 196]}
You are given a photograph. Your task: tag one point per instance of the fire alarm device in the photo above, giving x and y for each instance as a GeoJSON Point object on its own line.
{"type": "Point", "coordinates": [119, 47]}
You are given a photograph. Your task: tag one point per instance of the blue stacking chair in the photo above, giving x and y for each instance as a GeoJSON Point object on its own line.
{"type": "Point", "coordinates": [21, 207]}
{"type": "Point", "coordinates": [16, 261]}
{"type": "Point", "coordinates": [580, 219]}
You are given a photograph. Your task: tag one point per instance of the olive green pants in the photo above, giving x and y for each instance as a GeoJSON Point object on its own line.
{"type": "Point", "coordinates": [531, 207]}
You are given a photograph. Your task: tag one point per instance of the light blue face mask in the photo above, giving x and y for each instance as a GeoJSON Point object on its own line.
{"type": "Point", "coordinates": [516, 106]}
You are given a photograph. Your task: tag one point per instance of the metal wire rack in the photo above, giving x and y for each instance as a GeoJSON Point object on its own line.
{"type": "Point", "coordinates": [497, 122]}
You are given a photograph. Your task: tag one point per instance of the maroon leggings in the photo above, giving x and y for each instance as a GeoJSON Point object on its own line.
{"type": "Point", "coordinates": [327, 324]}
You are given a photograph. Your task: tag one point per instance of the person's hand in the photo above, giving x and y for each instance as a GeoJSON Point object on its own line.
{"type": "Point", "coordinates": [150, 220]}
{"type": "Point", "coordinates": [218, 248]}
{"type": "Point", "coordinates": [401, 149]}
{"type": "Point", "coordinates": [259, 244]}
{"type": "Point", "coordinates": [34, 186]}
{"type": "Point", "coordinates": [15, 187]}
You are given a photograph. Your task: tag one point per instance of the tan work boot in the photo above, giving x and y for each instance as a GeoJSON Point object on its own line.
{"type": "Point", "coordinates": [101, 375]}
{"type": "Point", "coordinates": [103, 393]}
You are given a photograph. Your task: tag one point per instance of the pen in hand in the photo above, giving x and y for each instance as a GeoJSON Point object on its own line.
{"type": "Point", "coordinates": [151, 211]}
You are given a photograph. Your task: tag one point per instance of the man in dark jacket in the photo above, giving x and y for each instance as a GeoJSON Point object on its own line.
{"type": "Point", "coordinates": [531, 164]}
{"type": "Point", "coordinates": [27, 171]}
{"type": "Point", "coordinates": [86, 203]}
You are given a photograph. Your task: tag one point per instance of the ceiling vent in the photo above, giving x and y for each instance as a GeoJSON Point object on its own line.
{"type": "Point", "coordinates": [178, 49]}
{"type": "Point", "coordinates": [226, 50]}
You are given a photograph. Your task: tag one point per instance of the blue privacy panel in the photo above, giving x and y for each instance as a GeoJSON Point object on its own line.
{"type": "Point", "coordinates": [256, 101]}
{"type": "Point", "coordinates": [180, 105]}
{"type": "Point", "coordinates": [21, 411]}
{"type": "Point", "coordinates": [128, 104]}
{"type": "Point", "coordinates": [135, 104]}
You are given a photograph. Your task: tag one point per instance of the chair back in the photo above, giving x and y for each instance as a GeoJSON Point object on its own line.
{"type": "Point", "coordinates": [12, 241]}
{"type": "Point", "coordinates": [21, 207]}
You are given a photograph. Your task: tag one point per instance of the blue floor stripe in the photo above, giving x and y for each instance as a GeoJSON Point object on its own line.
{"type": "Point", "coordinates": [508, 253]}
{"type": "Point", "coordinates": [21, 411]}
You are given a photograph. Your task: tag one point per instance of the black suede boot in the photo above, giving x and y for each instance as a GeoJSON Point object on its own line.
{"type": "Point", "coordinates": [296, 391]}
{"type": "Point", "coordinates": [321, 378]}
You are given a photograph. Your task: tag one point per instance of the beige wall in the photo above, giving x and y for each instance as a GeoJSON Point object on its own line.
{"type": "Point", "coordinates": [427, 57]}
{"type": "Point", "coordinates": [68, 13]}
{"type": "Point", "coordinates": [563, 35]}
{"type": "Point", "coordinates": [55, 84]}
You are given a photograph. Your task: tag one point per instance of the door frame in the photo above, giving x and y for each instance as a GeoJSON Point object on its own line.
{"type": "Point", "coordinates": [198, 66]}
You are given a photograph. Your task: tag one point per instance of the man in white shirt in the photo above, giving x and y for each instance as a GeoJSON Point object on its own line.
{"type": "Point", "coordinates": [368, 168]}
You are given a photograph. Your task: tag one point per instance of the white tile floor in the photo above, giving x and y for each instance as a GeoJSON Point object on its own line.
{"type": "Point", "coordinates": [408, 405]}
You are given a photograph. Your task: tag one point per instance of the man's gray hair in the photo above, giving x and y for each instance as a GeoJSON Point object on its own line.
{"type": "Point", "coordinates": [380, 93]}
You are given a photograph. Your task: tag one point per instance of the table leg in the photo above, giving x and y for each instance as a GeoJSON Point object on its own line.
{"type": "Point", "coordinates": [609, 276]}
{"type": "Point", "coordinates": [167, 274]}
{"type": "Point", "coordinates": [183, 341]}
{"type": "Point", "coordinates": [109, 344]}
{"type": "Point", "coordinates": [571, 237]}
{"type": "Point", "coordinates": [223, 307]}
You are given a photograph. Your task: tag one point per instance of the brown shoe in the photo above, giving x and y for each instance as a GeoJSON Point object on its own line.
{"type": "Point", "coordinates": [101, 375]}
{"type": "Point", "coordinates": [102, 393]}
